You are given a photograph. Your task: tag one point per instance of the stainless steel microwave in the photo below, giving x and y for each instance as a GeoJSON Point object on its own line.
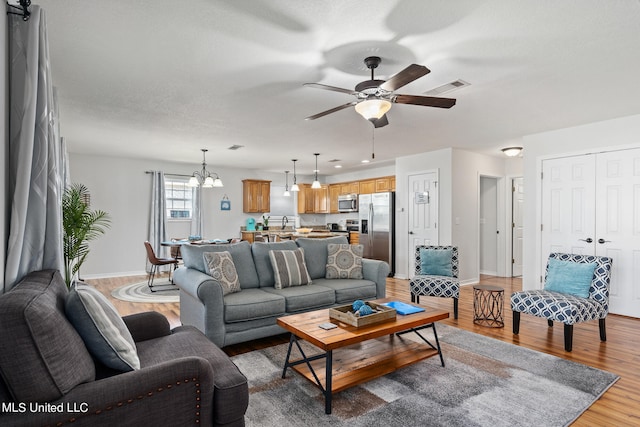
{"type": "Point", "coordinates": [348, 203]}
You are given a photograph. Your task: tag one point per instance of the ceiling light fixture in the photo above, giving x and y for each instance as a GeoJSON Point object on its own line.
{"type": "Point", "coordinates": [512, 151]}
{"type": "Point", "coordinates": [316, 183]}
{"type": "Point", "coordinates": [294, 187]}
{"type": "Point", "coordinates": [286, 184]}
{"type": "Point", "coordinates": [203, 177]}
{"type": "Point", "coordinates": [373, 108]}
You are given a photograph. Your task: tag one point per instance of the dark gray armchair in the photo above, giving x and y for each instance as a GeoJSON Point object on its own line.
{"type": "Point", "coordinates": [50, 378]}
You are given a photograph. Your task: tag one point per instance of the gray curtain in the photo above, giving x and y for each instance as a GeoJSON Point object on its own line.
{"type": "Point", "coordinates": [35, 154]}
{"type": "Point", "coordinates": [196, 214]}
{"type": "Point", "coordinates": [158, 215]}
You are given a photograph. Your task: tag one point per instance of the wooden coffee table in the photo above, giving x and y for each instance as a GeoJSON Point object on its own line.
{"type": "Point", "coordinates": [381, 349]}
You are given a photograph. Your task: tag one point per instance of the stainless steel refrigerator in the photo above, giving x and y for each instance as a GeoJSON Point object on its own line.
{"type": "Point", "coordinates": [377, 224]}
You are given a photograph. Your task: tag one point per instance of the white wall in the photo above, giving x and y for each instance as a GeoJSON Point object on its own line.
{"type": "Point", "coordinates": [4, 134]}
{"type": "Point", "coordinates": [591, 138]}
{"type": "Point", "coordinates": [488, 225]}
{"type": "Point", "coordinates": [441, 161]}
{"type": "Point", "coordinates": [121, 187]}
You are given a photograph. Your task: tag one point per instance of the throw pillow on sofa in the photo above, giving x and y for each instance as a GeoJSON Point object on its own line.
{"type": "Point", "coordinates": [220, 266]}
{"type": "Point", "coordinates": [289, 268]}
{"type": "Point", "coordinates": [344, 261]}
{"type": "Point", "coordinates": [101, 328]}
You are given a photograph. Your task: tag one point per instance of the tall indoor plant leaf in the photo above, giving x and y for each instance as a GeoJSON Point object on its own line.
{"type": "Point", "coordinates": [80, 225]}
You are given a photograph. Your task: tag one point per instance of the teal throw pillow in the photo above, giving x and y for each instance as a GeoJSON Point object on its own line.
{"type": "Point", "coordinates": [436, 262]}
{"type": "Point", "coordinates": [569, 277]}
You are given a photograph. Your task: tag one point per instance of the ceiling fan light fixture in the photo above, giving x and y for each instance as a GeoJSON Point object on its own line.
{"type": "Point", "coordinates": [373, 108]}
{"type": "Point", "coordinates": [512, 151]}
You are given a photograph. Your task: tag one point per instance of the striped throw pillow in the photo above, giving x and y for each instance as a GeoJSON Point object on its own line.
{"type": "Point", "coordinates": [289, 268]}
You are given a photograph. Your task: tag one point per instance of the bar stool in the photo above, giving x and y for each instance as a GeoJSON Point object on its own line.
{"type": "Point", "coordinates": [488, 303]}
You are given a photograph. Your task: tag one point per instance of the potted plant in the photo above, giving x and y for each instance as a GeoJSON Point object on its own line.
{"type": "Point", "coordinates": [265, 222]}
{"type": "Point", "coordinates": [80, 225]}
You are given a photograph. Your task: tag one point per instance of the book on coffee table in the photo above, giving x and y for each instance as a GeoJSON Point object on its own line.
{"type": "Point", "coordinates": [403, 308]}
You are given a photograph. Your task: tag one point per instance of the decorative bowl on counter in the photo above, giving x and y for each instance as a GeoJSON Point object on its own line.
{"type": "Point", "coordinates": [304, 230]}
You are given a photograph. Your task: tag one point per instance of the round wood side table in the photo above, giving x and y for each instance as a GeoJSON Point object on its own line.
{"type": "Point", "coordinates": [488, 303]}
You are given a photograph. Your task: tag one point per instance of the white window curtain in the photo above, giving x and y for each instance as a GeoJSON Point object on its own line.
{"type": "Point", "coordinates": [196, 213]}
{"type": "Point", "coordinates": [158, 215]}
{"type": "Point", "coordinates": [35, 154]}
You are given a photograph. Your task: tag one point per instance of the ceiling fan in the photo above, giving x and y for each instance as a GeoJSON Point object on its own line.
{"type": "Point", "coordinates": [374, 97]}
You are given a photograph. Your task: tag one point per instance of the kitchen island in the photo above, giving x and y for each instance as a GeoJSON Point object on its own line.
{"type": "Point", "coordinates": [277, 235]}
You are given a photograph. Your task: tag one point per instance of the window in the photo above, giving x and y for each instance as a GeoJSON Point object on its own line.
{"type": "Point", "coordinates": [179, 198]}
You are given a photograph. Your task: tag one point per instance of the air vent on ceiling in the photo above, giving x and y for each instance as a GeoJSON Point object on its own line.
{"type": "Point", "coordinates": [448, 87]}
{"type": "Point", "coordinates": [235, 147]}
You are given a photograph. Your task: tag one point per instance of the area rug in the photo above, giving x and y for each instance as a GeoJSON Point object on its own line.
{"type": "Point", "coordinates": [485, 382]}
{"type": "Point", "coordinates": [140, 292]}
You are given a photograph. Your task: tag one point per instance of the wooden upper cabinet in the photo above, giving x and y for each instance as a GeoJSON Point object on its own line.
{"type": "Point", "coordinates": [368, 187]}
{"type": "Point", "coordinates": [311, 200]}
{"type": "Point", "coordinates": [256, 196]}
{"type": "Point", "coordinates": [383, 185]}
{"type": "Point", "coordinates": [334, 192]}
{"type": "Point", "coordinates": [392, 183]}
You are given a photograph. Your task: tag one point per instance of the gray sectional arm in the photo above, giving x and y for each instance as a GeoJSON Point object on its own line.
{"type": "Point", "coordinates": [201, 303]}
{"type": "Point", "coordinates": [376, 271]}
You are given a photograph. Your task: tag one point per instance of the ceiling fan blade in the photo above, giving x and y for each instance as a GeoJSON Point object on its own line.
{"type": "Point", "coordinates": [406, 76]}
{"type": "Point", "coordinates": [333, 110]}
{"type": "Point", "coordinates": [333, 88]}
{"type": "Point", "coordinates": [427, 101]}
{"type": "Point", "coordinates": [381, 122]}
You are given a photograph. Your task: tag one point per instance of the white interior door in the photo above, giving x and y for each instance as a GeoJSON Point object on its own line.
{"type": "Point", "coordinates": [423, 213]}
{"type": "Point", "coordinates": [568, 206]}
{"type": "Point", "coordinates": [517, 215]}
{"type": "Point", "coordinates": [591, 205]}
{"type": "Point", "coordinates": [618, 226]}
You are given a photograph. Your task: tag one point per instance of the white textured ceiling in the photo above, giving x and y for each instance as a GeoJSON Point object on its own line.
{"type": "Point", "coordinates": [163, 79]}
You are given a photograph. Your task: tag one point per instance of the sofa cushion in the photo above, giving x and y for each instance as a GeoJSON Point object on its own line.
{"type": "Point", "coordinates": [262, 261]}
{"type": "Point", "coordinates": [289, 268]}
{"type": "Point", "coordinates": [42, 356]}
{"type": "Point", "coordinates": [349, 290]}
{"type": "Point", "coordinates": [252, 304]}
{"type": "Point", "coordinates": [315, 253]}
{"type": "Point", "coordinates": [230, 397]}
{"type": "Point", "coordinates": [220, 266]}
{"type": "Point", "coordinates": [240, 252]}
{"type": "Point", "coordinates": [300, 298]}
{"type": "Point", "coordinates": [101, 328]}
{"type": "Point", "coordinates": [344, 261]}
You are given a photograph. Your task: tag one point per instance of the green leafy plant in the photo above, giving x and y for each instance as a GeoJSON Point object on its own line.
{"type": "Point", "coordinates": [80, 226]}
{"type": "Point", "coordinates": [265, 220]}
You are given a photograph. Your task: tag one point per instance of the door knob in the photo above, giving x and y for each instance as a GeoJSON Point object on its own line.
{"type": "Point", "coordinates": [411, 232]}
{"type": "Point", "coordinates": [601, 241]}
{"type": "Point", "coordinates": [588, 240]}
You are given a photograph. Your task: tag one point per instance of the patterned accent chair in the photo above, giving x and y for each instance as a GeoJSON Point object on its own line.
{"type": "Point", "coordinates": [436, 286]}
{"type": "Point", "coordinates": [566, 308]}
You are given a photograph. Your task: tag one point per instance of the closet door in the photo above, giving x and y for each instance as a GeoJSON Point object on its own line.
{"type": "Point", "coordinates": [568, 207]}
{"type": "Point", "coordinates": [618, 225]}
{"type": "Point", "coordinates": [591, 206]}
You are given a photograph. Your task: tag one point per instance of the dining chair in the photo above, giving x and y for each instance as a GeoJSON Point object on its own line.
{"type": "Point", "coordinates": [155, 264]}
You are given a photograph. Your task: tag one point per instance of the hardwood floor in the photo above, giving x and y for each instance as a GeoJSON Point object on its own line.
{"type": "Point", "coordinates": [620, 354]}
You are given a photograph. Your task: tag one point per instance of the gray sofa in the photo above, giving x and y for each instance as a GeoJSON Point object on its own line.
{"type": "Point", "coordinates": [252, 312]}
{"type": "Point", "coordinates": [50, 378]}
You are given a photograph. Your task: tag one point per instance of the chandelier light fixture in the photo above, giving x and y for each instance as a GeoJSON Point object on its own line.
{"type": "Point", "coordinates": [203, 177]}
{"type": "Point", "coordinates": [295, 187]}
{"type": "Point", "coordinates": [316, 183]}
{"type": "Point", "coordinates": [512, 151]}
{"type": "Point", "coordinates": [286, 184]}
{"type": "Point", "coordinates": [373, 108]}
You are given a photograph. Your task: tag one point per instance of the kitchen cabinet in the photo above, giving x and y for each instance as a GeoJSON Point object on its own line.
{"type": "Point", "coordinates": [312, 200]}
{"type": "Point", "coordinates": [368, 187]}
{"type": "Point", "coordinates": [247, 235]}
{"type": "Point", "coordinates": [334, 192]}
{"type": "Point", "coordinates": [354, 237]}
{"type": "Point", "coordinates": [392, 183]}
{"type": "Point", "coordinates": [383, 185]}
{"type": "Point", "coordinates": [256, 195]}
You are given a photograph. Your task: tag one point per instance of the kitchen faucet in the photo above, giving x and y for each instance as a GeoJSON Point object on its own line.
{"type": "Point", "coordinates": [285, 221]}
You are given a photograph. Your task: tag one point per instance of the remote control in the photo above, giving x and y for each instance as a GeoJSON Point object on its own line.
{"type": "Point", "coordinates": [327, 326]}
